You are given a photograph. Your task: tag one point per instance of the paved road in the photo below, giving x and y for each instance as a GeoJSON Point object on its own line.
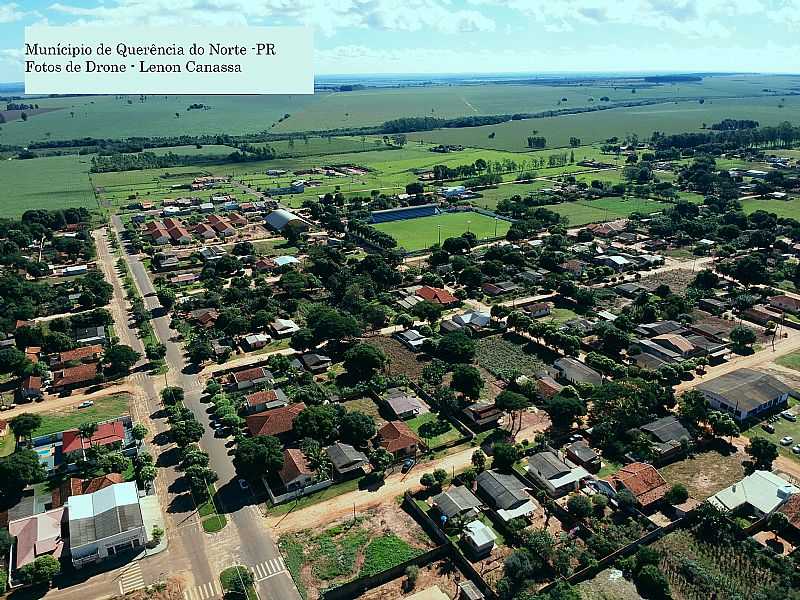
{"type": "Point", "coordinates": [246, 539]}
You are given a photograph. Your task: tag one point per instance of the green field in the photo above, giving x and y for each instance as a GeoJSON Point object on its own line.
{"type": "Point", "coordinates": [597, 126]}
{"type": "Point", "coordinates": [70, 418]}
{"type": "Point", "coordinates": [423, 232]}
{"type": "Point", "coordinates": [605, 209]}
{"type": "Point", "coordinates": [52, 182]}
{"type": "Point", "coordinates": [127, 116]}
{"type": "Point", "coordinates": [782, 208]}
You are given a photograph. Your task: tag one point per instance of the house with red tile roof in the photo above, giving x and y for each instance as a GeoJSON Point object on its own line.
{"type": "Point", "coordinates": [205, 231]}
{"type": "Point", "coordinates": [248, 378]}
{"type": "Point", "coordinates": [295, 473]}
{"type": "Point", "coordinates": [179, 235]}
{"type": "Point", "coordinates": [265, 400]}
{"type": "Point", "coordinates": [791, 510]}
{"type": "Point", "coordinates": [30, 388]}
{"type": "Point", "coordinates": [643, 481]}
{"type": "Point", "coordinates": [277, 422]}
{"type": "Point", "coordinates": [74, 377]}
{"type": "Point", "coordinates": [85, 354]}
{"type": "Point", "coordinates": [397, 438]}
{"type": "Point", "coordinates": [221, 225]}
{"type": "Point", "coordinates": [237, 220]}
{"type": "Point", "coordinates": [76, 486]}
{"type": "Point", "coordinates": [110, 433]}
{"type": "Point", "coordinates": [436, 295]}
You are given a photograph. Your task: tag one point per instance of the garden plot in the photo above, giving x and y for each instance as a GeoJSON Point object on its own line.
{"type": "Point", "coordinates": [442, 574]}
{"type": "Point", "coordinates": [504, 358]}
{"type": "Point", "coordinates": [401, 360]}
{"type": "Point", "coordinates": [375, 541]}
{"type": "Point", "coordinates": [697, 569]}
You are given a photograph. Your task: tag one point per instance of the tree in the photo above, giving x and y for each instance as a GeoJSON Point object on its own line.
{"type": "Point", "coordinates": [511, 403]}
{"type": "Point", "coordinates": [694, 406]}
{"type": "Point", "coordinates": [171, 395]}
{"type": "Point", "coordinates": [41, 571]}
{"type": "Point", "coordinates": [579, 506]}
{"type": "Point", "coordinates": [86, 432]}
{"type": "Point", "coordinates": [440, 475]}
{"type": "Point", "coordinates": [166, 297]}
{"type": "Point", "coordinates": [456, 347]}
{"type": "Point", "coordinates": [12, 360]}
{"type": "Point", "coordinates": [356, 428]}
{"type": "Point", "coordinates": [677, 494]}
{"type": "Point", "coordinates": [412, 574]}
{"type": "Point", "coordinates": [21, 468]}
{"type": "Point", "coordinates": [763, 452]}
{"type": "Point", "coordinates": [200, 350]}
{"type": "Point", "coordinates": [23, 425]}
{"type": "Point", "coordinates": [186, 432]}
{"type": "Point", "coordinates": [743, 337]}
{"type": "Point", "coordinates": [564, 408]}
{"type": "Point", "coordinates": [139, 432]}
{"type": "Point", "coordinates": [363, 360]}
{"type": "Point", "coordinates": [428, 480]}
{"type": "Point", "coordinates": [317, 422]}
{"type": "Point", "coordinates": [6, 541]}
{"type": "Point", "coordinates": [427, 311]}
{"type": "Point", "coordinates": [504, 456]}
{"type": "Point", "coordinates": [303, 340]}
{"type": "Point", "coordinates": [652, 584]}
{"type": "Point", "coordinates": [467, 380]}
{"type": "Point", "coordinates": [706, 279]}
{"type": "Point", "coordinates": [381, 460]}
{"type": "Point", "coordinates": [723, 424]}
{"type": "Point", "coordinates": [258, 456]}
{"type": "Point", "coordinates": [479, 460]}
{"type": "Point", "coordinates": [120, 359]}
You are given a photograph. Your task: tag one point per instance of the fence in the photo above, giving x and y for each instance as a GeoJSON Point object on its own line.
{"type": "Point", "coordinates": [299, 493]}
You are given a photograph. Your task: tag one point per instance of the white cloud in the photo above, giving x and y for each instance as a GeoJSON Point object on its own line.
{"type": "Point", "coordinates": [10, 13]}
{"type": "Point", "coordinates": [328, 16]}
{"type": "Point", "coordinates": [695, 18]}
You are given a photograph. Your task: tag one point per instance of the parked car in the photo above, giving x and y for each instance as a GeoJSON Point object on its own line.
{"type": "Point", "coordinates": [789, 416]}
{"type": "Point", "coordinates": [796, 449]}
{"type": "Point", "coordinates": [86, 404]}
{"type": "Point", "coordinates": [768, 428]}
{"type": "Point", "coordinates": [407, 464]}
{"type": "Point", "coordinates": [786, 440]}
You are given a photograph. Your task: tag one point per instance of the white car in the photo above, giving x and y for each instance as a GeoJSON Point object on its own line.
{"type": "Point", "coordinates": [86, 404]}
{"type": "Point", "coordinates": [789, 416]}
{"type": "Point", "coordinates": [786, 441]}
{"type": "Point", "coordinates": [796, 449]}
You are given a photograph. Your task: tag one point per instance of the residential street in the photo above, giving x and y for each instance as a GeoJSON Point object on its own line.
{"type": "Point", "coordinates": [246, 539]}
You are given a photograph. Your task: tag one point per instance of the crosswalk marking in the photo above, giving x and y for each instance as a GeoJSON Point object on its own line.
{"type": "Point", "coordinates": [131, 579]}
{"type": "Point", "coordinates": [206, 591]}
{"type": "Point", "coordinates": [268, 568]}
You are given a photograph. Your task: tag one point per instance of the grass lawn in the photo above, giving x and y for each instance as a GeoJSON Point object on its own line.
{"type": "Point", "coordinates": [423, 232]}
{"type": "Point", "coordinates": [782, 208]}
{"type": "Point", "coordinates": [385, 552]}
{"type": "Point", "coordinates": [433, 430]}
{"type": "Point", "coordinates": [7, 444]}
{"type": "Point", "coordinates": [230, 577]}
{"type": "Point", "coordinates": [609, 468]}
{"type": "Point", "coordinates": [792, 360]}
{"type": "Point", "coordinates": [604, 209]}
{"type": "Point", "coordinates": [214, 523]}
{"type": "Point", "coordinates": [104, 409]}
{"type": "Point", "coordinates": [560, 315]}
{"type": "Point", "coordinates": [782, 428]}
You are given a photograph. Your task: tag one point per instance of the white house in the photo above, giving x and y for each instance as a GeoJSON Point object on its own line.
{"type": "Point", "coordinates": [105, 523]}
{"type": "Point", "coordinates": [479, 538]}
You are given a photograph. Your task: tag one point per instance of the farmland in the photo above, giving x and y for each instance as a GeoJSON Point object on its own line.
{"type": "Point", "coordinates": [697, 569]}
{"type": "Point", "coordinates": [503, 358]}
{"type": "Point", "coordinates": [126, 116]}
{"type": "Point", "coordinates": [51, 182]}
{"type": "Point", "coordinates": [423, 232]}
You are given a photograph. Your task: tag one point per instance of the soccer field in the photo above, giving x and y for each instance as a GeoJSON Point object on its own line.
{"type": "Point", "coordinates": [423, 232]}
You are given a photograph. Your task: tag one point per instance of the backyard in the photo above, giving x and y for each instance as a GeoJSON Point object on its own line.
{"type": "Point", "coordinates": [372, 542]}
{"type": "Point", "coordinates": [433, 429]}
{"type": "Point", "coordinates": [706, 473]}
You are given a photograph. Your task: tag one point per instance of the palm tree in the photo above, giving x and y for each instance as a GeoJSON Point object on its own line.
{"type": "Point", "coordinates": [86, 431]}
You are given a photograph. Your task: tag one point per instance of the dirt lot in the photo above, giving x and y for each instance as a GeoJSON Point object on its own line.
{"type": "Point", "coordinates": [533, 421]}
{"type": "Point", "coordinates": [608, 585]}
{"type": "Point", "coordinates": [443, 574]}
{"type": "Point", "coordinates": [368, 407]}
{"type": "Point", "coordinates": [401, 359]}
{"type": "Point", "coordinates": [706, 473]}
{"type": "Point", "coordinates": [380, 538]}
{"type": "Point", "coordinates": [677, 280]}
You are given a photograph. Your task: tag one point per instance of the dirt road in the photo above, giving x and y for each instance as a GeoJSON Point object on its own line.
{"type": "Point", "coordinates": [322, 513]}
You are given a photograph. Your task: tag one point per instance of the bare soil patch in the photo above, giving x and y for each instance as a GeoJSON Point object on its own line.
{"type": "Point", "coordinates": [706, 473]}
{"type": "Point", "coordinates": [677, 280]}
{"type": "Point", "coordinates": [402, 360]}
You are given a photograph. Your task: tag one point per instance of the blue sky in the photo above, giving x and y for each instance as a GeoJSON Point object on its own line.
{"type": "Point", "coordinates": [454, 36]}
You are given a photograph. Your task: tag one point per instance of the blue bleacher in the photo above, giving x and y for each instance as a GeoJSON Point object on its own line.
{"type": "Point", "coordinates": [399, 214]}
